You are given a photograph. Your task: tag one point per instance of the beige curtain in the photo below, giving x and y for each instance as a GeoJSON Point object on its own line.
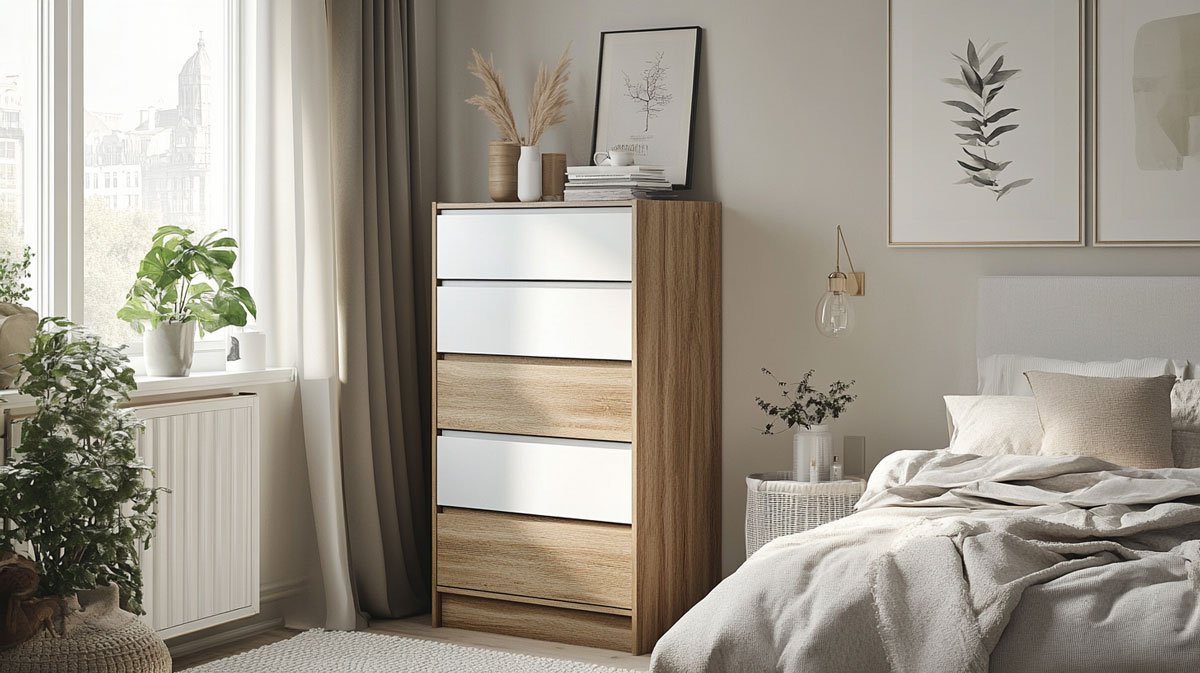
{"type": "Point", "coordinates": [341, 274]}
{"type": "Point", "coordinates": [382, 291]}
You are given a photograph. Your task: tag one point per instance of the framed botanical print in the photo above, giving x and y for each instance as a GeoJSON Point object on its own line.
{"type": "Point", "coordinates": [646, 97]}
{"type": "Point", "coordinates": [986, 131]}
{"type": "Point", "coordinates": [1146, 154]}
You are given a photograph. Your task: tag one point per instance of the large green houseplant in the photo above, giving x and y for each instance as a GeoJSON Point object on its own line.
{"type": "Point", "coordinates": [181, 285]}
{"type": "Point", "coordinates": [75, 505]}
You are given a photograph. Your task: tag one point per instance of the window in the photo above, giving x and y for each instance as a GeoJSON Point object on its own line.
{"type": "Point", "coordinates": [19, 124]}
{"type": "Point", "coordinates": [158, 117]}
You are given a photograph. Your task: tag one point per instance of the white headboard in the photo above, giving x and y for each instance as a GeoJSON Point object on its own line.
{"type": "Point", "coordinates": [1090, 317]}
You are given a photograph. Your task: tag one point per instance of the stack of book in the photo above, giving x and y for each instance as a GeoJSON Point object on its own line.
{"type": "Point", "coordinates": [616, 183]}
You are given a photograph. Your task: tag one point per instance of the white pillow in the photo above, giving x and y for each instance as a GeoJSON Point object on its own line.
{"type": "Point", "coordinates": [1185, 423]}
{"type": "Point", "coordinates": [1005, 374]}
{"type": "Point", "coordinates": [990, 425]}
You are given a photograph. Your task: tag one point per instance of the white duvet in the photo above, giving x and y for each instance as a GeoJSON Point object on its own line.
{"type": "Point", "coordinates": [960, 563]}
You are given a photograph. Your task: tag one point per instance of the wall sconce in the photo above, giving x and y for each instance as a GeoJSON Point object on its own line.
{"type": "Point", "coordinates": [835, 315]}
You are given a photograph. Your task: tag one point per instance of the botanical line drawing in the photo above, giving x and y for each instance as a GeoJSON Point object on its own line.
{"type": "Point", "coordinates": [650, 92]}
{"type": "Point", "coordinates": [983, 83]}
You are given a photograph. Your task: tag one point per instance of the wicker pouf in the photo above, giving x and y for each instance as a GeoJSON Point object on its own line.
{"type": "Point", "coordinates": [777, 506]}
{"type": "Point", "coordinates": [97, 637]}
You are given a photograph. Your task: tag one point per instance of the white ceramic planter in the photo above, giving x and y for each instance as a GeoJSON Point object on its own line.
{"type": "Point", "coordinates": [169, 347]}
{"type": "Point", "coordinates": [815, 443]}
{"type": "Point", "coordinates": [529, 174]}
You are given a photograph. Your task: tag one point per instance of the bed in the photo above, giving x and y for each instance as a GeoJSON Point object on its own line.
{"type": "Point", "coordinates": [957, 562]}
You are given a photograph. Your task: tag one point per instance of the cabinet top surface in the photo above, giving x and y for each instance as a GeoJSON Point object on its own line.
{"type": "Point", "coordinates": [551, 204]}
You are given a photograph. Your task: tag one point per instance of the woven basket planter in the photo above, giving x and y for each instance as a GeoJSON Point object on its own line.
{"type": "Point", "coordinates": [777, 506]}
{"type": "Point", "coordinates": [97, 637]}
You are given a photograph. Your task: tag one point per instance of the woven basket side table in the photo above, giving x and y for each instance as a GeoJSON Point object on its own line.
{"type": "Point", "coordinates": [777, 506]}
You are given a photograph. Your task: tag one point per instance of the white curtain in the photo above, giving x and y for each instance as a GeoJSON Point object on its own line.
{"type": "Point", "coordinates": [289, 225]}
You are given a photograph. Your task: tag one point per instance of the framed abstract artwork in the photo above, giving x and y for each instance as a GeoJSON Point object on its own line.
{"type": "Point", "coordinates": [646, 97]}
{"type": "Point", "coordinates": [1146, 151]}
{"type": "Point", "coordinates": [986, 123]}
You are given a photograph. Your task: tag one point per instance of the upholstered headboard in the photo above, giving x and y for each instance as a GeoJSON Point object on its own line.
{"type": "Point", "coordinates": [1090, 317]}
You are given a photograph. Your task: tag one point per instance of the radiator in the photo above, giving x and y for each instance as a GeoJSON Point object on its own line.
{"type": "Point", "coordinates": [202, 568]}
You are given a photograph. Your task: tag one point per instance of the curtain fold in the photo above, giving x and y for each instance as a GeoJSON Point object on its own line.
{"type": "Point", "coordinates": [341, 271]}
{"type": "Point", "coordinates": [382, 288]}
{"type": "Point", "coordinates": [288, 208]}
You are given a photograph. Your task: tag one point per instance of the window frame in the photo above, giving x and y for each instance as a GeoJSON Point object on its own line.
{"type": "Point", "coordinates": [58, 234]}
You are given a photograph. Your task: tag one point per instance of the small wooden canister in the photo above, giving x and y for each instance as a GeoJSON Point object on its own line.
{"type": "Point", "coordinates": [554, 176]}
{"type": "Point", "coordinates": [502, 170]}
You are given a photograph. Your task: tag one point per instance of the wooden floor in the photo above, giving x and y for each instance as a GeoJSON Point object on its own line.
{"type": "Point", "coordinates": [418, 627]}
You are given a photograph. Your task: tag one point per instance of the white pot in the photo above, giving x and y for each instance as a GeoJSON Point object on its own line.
{"type": "Point", "coordinates": [169, 347]}
{"type": "Point", "coordinates": [815, 443]}
{"type": "Point", "coordinates": [529, 174]}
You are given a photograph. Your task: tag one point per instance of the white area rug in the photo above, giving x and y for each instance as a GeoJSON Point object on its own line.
{"type": "Point", "coordinates": [334, 651]}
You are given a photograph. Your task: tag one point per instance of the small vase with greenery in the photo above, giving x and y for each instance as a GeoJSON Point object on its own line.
{"type": "Point", "coordinates": [74, 499]}
{"type": "Point", "coordinates": [804, 408]}
{"type": "Point", "coordinates": [18, 322]}
{"type": "Point", "coordinates": [181, 285]}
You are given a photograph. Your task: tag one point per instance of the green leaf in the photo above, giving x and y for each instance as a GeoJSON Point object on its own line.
{"type": "Point", "coordinates": [1012, 185]}
{"type": "Point", "coordinates": [1001, 115]}
{"type": "Point", "coordinates": [965, 107]}
{"type": "Point", "coordinates": [990, 165]}
{"type": "Point", "coordinates": [992, 94]}
{"type": "Point", "coordinates": [972, 79]}
{"type": "Point", "coordinates": [1000, 131]}
{"type": "Point", "coordinates": [996, 66]}
{"type": "Point", "coordinates": [972, 56]}
{"type": "Point", "coordinates": [972, 124]}
{"type": "Point", "coordinates": [1000, 77]}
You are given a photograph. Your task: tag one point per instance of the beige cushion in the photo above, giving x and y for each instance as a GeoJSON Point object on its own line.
{"type": "Point", "coordinates": [1125, 421]}
{"type": "Point", "coordinates": [991, 425]}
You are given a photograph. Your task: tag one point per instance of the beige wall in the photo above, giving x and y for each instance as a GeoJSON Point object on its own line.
{"type": "Point", "coordinates": [791, 137]}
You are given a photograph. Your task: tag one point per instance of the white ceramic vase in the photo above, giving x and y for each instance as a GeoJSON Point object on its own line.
{"type": "Point", "coordinates": [815, 443]}
{"type": "Point", "coordinates": [529, 174]}
{"type": "Point", "coordinates": [169, 348]}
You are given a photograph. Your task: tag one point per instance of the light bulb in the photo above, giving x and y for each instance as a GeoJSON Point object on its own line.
{"type": "Point", "coordinates": [835, 316]}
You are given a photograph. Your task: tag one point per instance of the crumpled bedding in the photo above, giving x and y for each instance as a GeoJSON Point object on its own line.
{"type": "Point", "coordinates": [962, 563]}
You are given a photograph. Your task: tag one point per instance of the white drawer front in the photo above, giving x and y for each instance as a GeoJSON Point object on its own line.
{"type": "Point", "coordinates": [563, 321]}
{"type": "Point", "coordinates": [536, 244]}
{"type": "Point", "coordinates": [573, 479]}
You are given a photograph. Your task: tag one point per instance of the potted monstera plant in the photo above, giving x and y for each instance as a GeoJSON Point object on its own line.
{"type": "Point", "coordinates": [184, 285]}
{"type": "Point", "coordinates": [17, 321]}
{"type": "Point", "coordinates": [76, 513]}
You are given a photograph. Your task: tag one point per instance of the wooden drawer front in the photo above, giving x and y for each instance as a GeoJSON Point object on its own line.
{"type": "Point", "coordinates": [569, 478]}
{"type": "Point", "coordinates": [587, 322]}
{"type": "Point", "coordinates": [554, 398]}
{"type": "Point", "coordinates": [576, 561]}
{"type": "Point", "coordinates": [611, 632]}
{"type": "Point", "coordinates": [536, 244]}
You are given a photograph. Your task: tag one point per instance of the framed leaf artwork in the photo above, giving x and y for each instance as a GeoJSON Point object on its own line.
{"type": "Point", "coordinates": [1146, 155]}
{"type": "Point", "coordinates": [985, 130]}
{"type": "Point", "coordinates": [646, 97]}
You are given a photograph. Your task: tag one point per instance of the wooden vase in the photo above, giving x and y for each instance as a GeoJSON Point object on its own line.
{"type": "Point", "coordinates": [554, 176]}
{"type": "Point", "coordinates": [502, 170]}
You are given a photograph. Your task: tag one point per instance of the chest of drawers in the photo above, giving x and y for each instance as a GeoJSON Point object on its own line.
{"type": "Point", "coordinates": [577, 360]}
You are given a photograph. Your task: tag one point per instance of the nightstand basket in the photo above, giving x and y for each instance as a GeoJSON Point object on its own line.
{"type": "Point", "coordinates": [777, 506]}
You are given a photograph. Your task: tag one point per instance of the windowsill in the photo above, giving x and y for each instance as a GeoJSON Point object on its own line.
{"type": "Point", "coordinates": [198, 382]}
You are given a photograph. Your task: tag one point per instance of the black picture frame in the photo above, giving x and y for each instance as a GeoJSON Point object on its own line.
{"type": "Point", "coordinates": [692, 100]}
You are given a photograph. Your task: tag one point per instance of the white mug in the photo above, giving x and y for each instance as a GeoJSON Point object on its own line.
{"type": "Point", "coordinates": [613, 158]}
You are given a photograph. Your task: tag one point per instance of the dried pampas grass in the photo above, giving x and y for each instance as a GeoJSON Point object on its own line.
{"type": "Point", "coordinates": [549, 100]}
{"type": "Point", "coordinates": [547, 105]}
{"type": "Point", "coordinates": [494, 101]}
